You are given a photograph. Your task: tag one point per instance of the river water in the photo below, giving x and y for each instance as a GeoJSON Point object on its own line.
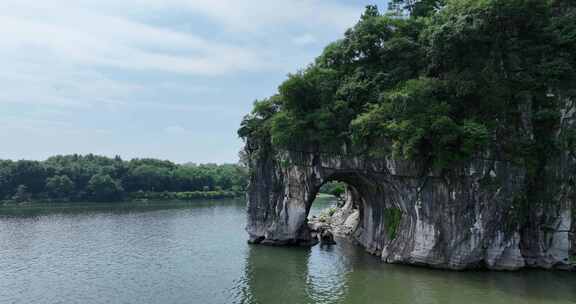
{"type": "Point", "coordinates": [197, 253]}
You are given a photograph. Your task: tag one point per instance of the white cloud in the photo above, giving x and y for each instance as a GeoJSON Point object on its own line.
{"type": "Point", "coordinates": [235, 15]}
{"type": "Point", "coordinates": [251, 15]}
{"type": "Point", "coordinates": [107, 62]}
{"type": "Point", "coordinates": [120, 43]}
{"type": "Point", "coordinates": [59, 84]}
{"type": "Point", "coordinates": [51, 47]}
{"type": "Point", "coordinates": [50, 54]}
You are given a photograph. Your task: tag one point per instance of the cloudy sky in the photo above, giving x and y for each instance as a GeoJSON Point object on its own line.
{"type": "Point", "coordinates": [169, 79]}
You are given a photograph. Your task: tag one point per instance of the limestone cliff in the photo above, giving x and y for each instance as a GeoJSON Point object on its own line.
{"type": "Point", "coordinates": [472, 216]}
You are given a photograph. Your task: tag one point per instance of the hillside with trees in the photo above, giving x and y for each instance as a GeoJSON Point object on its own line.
{"type": "Point", "coordinates": [433, 80]}
{"type": "Point", "coordinates": [452, 122]}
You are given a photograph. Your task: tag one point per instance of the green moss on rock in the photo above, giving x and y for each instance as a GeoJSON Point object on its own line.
{"type": "Point", "coordinates": [392, 218]}
{"type": "Point", "coordinates": [573, 259]}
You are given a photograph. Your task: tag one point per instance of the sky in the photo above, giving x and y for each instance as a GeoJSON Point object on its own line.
{"type": "Point", "coordinates": [168, 79]}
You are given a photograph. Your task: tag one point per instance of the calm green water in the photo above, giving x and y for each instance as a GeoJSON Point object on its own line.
{"type": "Point", "coordinates": [196, 253]}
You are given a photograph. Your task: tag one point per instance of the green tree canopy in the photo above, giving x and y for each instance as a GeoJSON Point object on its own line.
{"type": "Point", "coordinates": [67, 177]}
{"type": "Point", "coordinates": [22, 194]}
{"type": "Point", "coordinates": [102, 187]}
{"type": "Point", "coordinates": [60, 186]}
{"type": "Point", "coordinates": [442, 84]}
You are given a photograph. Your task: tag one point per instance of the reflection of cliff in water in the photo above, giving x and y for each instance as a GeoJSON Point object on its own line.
{"type": "Point", "coordinates": [346, 274]}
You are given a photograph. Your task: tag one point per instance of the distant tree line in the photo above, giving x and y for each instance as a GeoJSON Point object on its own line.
{"type": "Point", "coordinates": [98, 178]}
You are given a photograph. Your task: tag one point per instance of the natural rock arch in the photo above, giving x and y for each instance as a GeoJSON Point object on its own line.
{"type": "Point", "coordinates": [369, 197]}
{"type": "Point", "coordinates": [456, 221]}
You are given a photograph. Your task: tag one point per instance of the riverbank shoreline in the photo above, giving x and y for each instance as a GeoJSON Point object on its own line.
{"type": "Point", "coordinates": [133, 198]}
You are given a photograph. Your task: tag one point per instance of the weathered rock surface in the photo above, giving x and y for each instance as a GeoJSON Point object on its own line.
{"type": "Point", "coordinates": [467, 218]}
{"type": "Point", "coordinates": [343, 221]}
{"type": "Point", "coordinates": [327, 237]}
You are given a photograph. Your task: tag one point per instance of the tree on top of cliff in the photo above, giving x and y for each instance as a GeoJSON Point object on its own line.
{"type": "Point", "coordinates": [453, 78]}
{"type": "Point", "coordinates": [417, 8]}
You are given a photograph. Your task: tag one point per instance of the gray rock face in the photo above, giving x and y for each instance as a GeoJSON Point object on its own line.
{"type": "Point", "coordinates": [467, 218]}
{"type": "Point", "coordinates": [346, 218]}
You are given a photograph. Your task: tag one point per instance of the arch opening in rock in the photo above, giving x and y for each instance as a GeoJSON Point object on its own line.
{"type": "Point", "coordinates": [280, 217]}
{"type": "Point", "coordinates": [334, 212]}
{"type": "Point", "coordinates": [364, 212]}
{"type": "Point", "coordinates": [457, 220]}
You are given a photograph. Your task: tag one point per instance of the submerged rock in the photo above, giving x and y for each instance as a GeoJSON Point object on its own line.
{"type": "Point", "coordinates": [327, 238]}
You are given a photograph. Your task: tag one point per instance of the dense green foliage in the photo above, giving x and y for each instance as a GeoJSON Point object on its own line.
{"type": "Point", "coordinates": [418, 8]}
{"type": "Point", "coordinates": [447, 80]}
{"type": "Point", "coordinates": [98, 178]}
{"type": "Point", "coordinates": [333, 188]}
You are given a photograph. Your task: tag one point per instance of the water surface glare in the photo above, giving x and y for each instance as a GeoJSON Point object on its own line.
{"type": "Point", "coordinates": [197, 253]}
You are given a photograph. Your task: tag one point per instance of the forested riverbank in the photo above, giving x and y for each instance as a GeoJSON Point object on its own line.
{"type": "Point", "coordinates": [83, 178]}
